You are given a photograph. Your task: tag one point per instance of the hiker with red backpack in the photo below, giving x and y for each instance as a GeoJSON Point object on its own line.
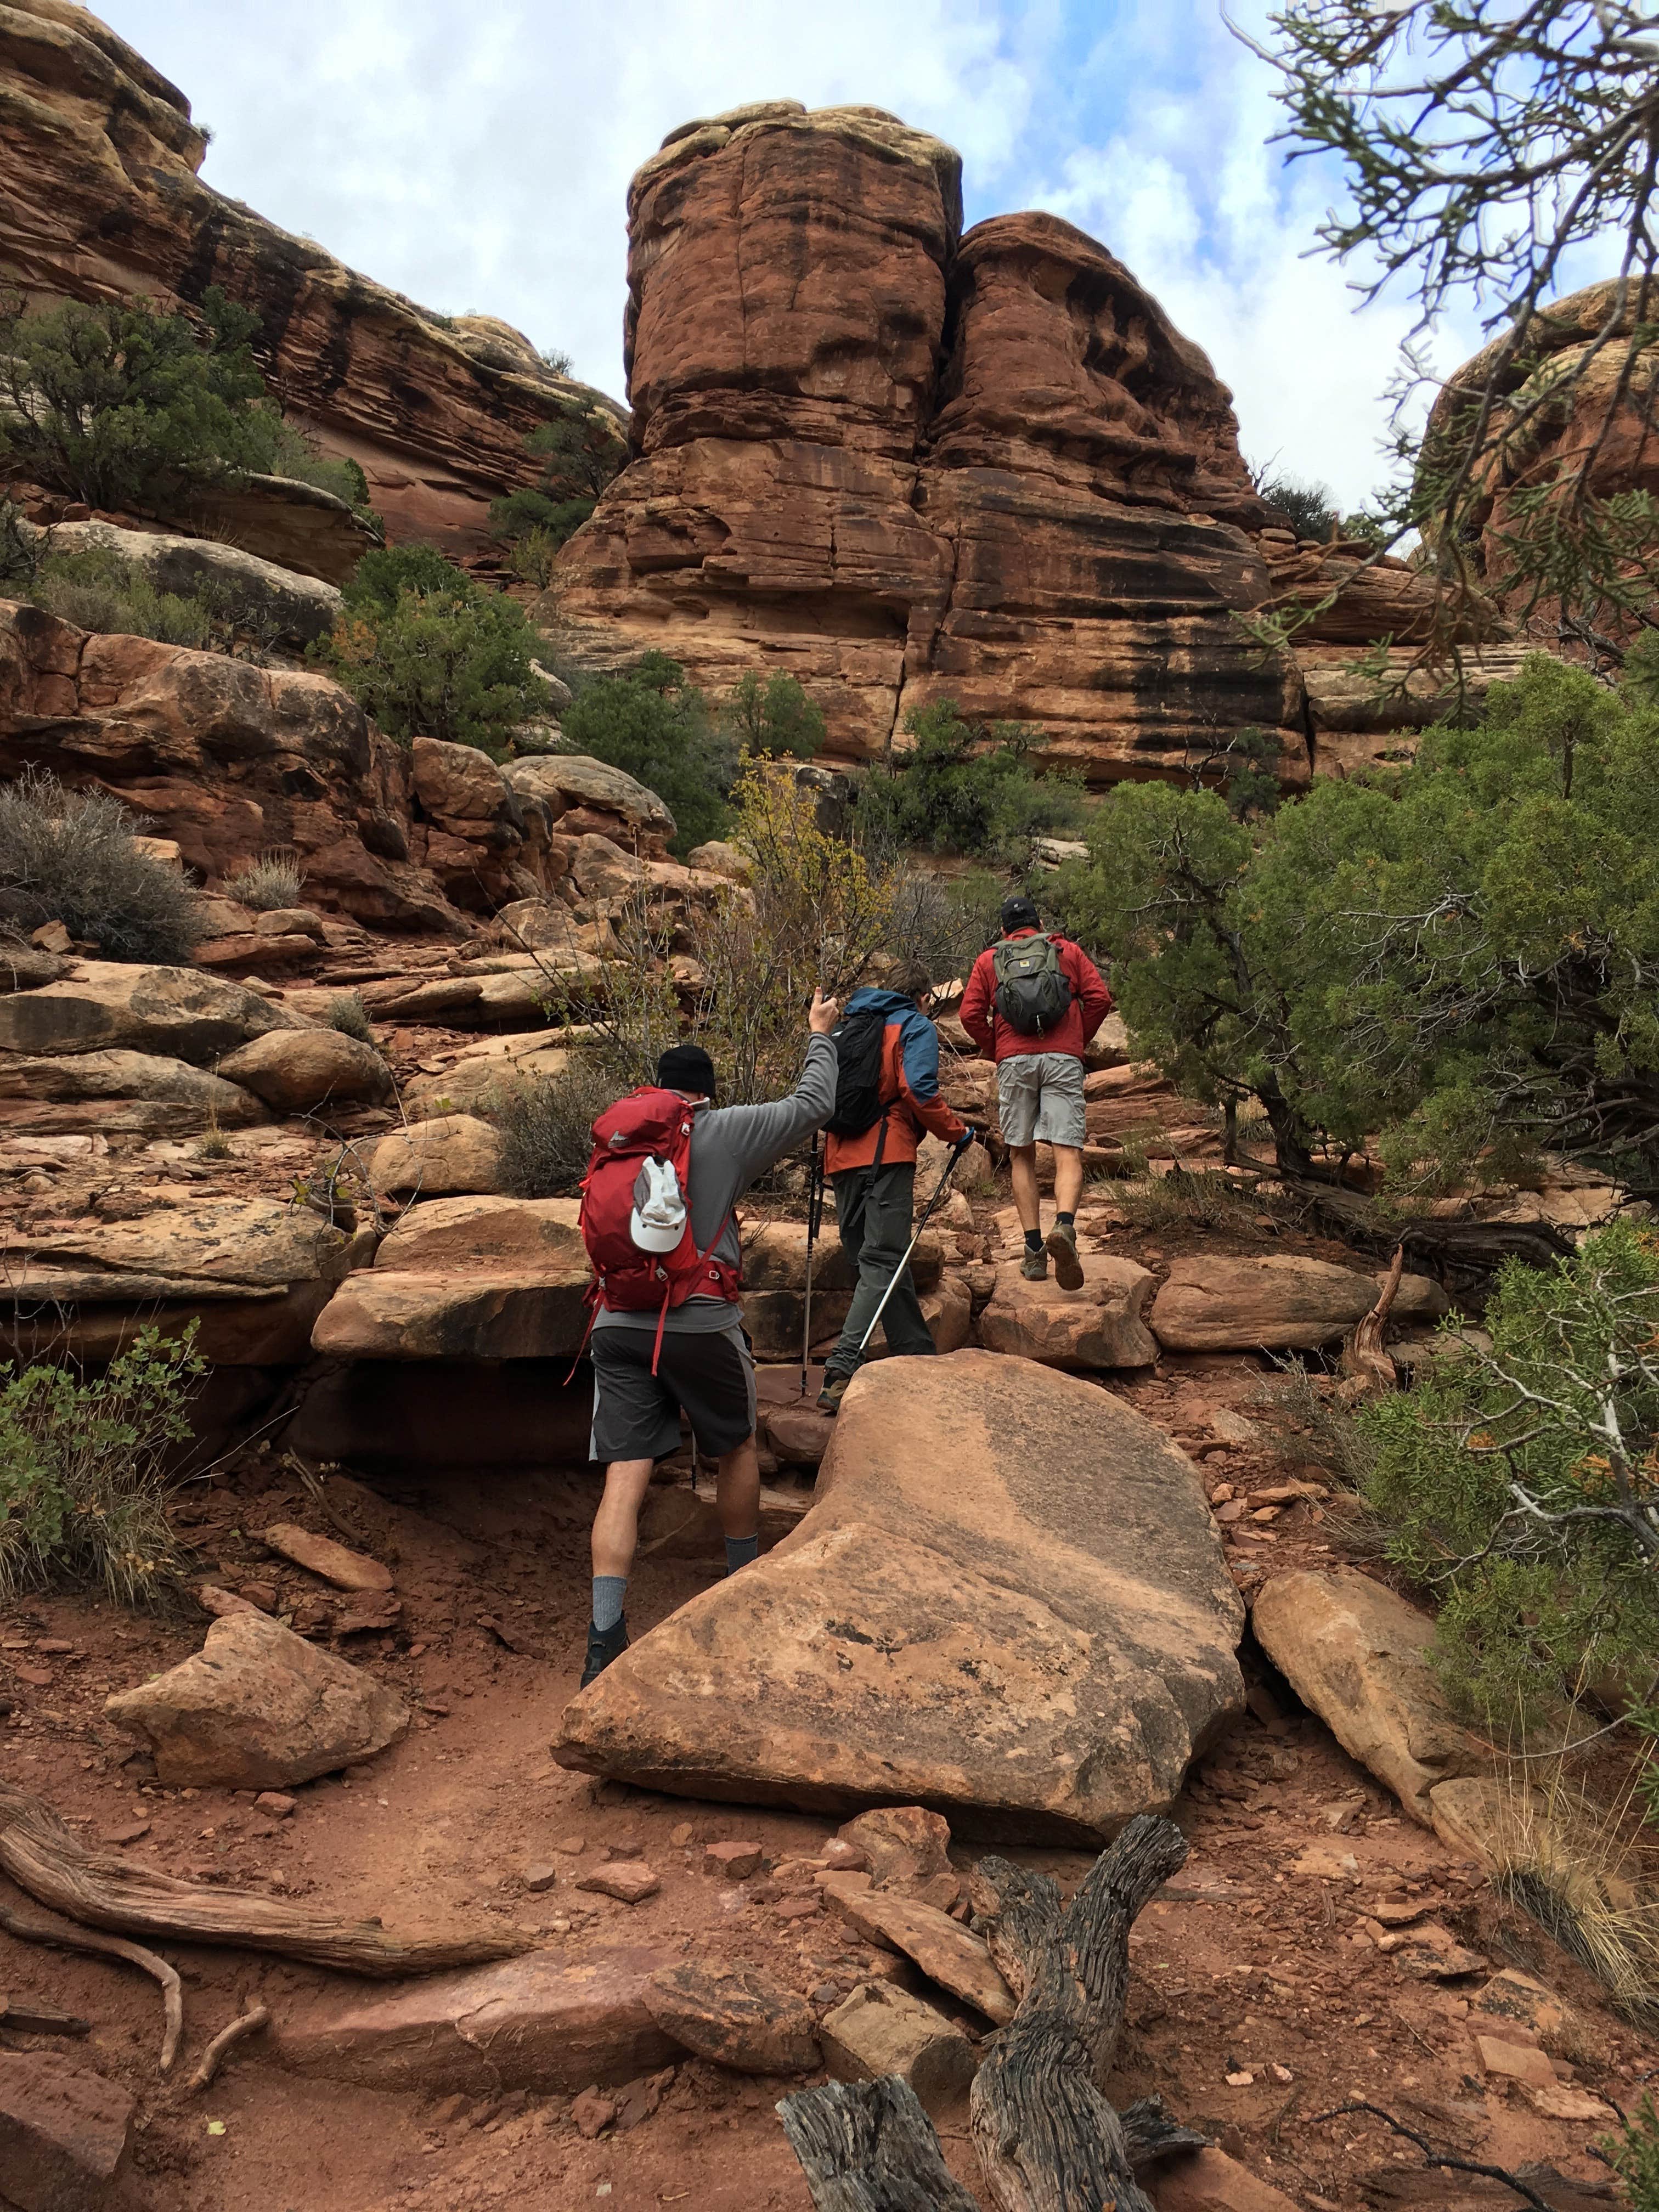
{"type": "Point", "coordinates": [668, 1167]}
{"type": "Point", "coordinates": [1033, 1001]}
{"type": "Point", "coordinates": [887, 1093]}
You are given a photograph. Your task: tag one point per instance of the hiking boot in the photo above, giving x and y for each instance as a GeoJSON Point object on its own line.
{"type": "Point", "coordinates": [834, 1390]}
{"type": "Point", "coordinates": [1034, 1266]}
{"type": "Point", "coordinates": [603, 1644]}
{"type": "Point", "coordinates": [1062, 1247]}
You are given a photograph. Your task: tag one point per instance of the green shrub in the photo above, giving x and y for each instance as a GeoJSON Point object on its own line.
{"type": "Point", "coordinates": [943, 927]}
{"type": "Point", "coordinates": [295, 455]}
{"type": "Point", "coordinates": [275, 880]}
{"type": "Point", "coordinates": [348, 1014]}
{"type": "Point", "coordinates": [122, 406]}
{"type": "Point", "coordinates": [429, 652]}
{"type": "Point", "coordinates": [70, 856]}
{"type": "Point", "coordinates": [1309, 509]}
{"type": "Point", "coordinates": [580, 451]}
{"type": "Point", "coordinates": [83, 1470]}
{"type": "Point", "coordinates": [101, 590]}
{"type": "Point", "coordinates": [1633, 2155]}
{"type": "Point", "coordinates": [773, 718]}
{"type": "Point", "coordinates": [546, 1126]}
{"type": "Point", "coordinates": [1521, 1486]}
{"type": "Point", "coordinates": [962, 788]}
{"type": "Point", "coordinates": [654, 724]}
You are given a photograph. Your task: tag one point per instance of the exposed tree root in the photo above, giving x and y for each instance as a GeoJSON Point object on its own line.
{"type": "Point", "coordinates": [30, 1926]}
{"type": "Point", "coordinates": [246, 2023]}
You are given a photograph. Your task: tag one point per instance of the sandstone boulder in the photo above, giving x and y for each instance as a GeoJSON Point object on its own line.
{"type": "Point", "coordinates": [946, 1952]}
{"type": "Point", "coordinates": [1281, 1303]}
{"type": "Point", "coordinates": [283, 604]}
{"type": "Point", "coordinates": [177, 1013]}
{"type": "Point", "coordinates": [459, 783]}
{"type": "Point", "coordinates": [501, 1234]}
{"type": "Point", "coordinates": [452, 1154]}
{"type": "Point", "coordinates": [64, 2132]}
{"type": "Point", "coordinates": [540, 2022]}
{"type": "Point", "coordinates": [379, 1313]}
{"type": "Point", "coordinates": [116, 1090]}
{"type": "Point", "coordinates": [477, 1085]}
{"type": "Point", "coordinates": [735, 2017]}
{"type": "Point", "coordinates": [1210, 2181]}
{"type": "Point", "coordinates": [904, 1846]}
{"type": "Point", "coordinates": [883, 2030]}
{"type": "Point", "coordinates": [258, 1708]}
{"type": "Point", "coordinates": [1044, 1559]}
{"type": "Point", "coordinates": [717, 857]}
{"type": "Point", "coordinates": [219, 1249]}
{"type": "Point", "coordinates": [567, 781]}
{"type": "Point", "coordinates": [1102, 1325]}
{"type": "Point", "coordinates": [1357, 1655]}
{"type": "Point", "coordinates": [300, 1071]}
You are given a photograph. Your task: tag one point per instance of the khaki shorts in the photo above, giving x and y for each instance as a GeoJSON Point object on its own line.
{"type": "Point", "coordinates": [1040, 1099]}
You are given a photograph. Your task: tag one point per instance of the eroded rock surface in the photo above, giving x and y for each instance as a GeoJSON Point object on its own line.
{"type": "Point", "coordinates": [1043, 1557]}
{"type": "Point", "coordinates": [1284, 1302]}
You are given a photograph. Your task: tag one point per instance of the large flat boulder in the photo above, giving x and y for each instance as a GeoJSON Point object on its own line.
{"type": "Point", "coordinates": [450, 1154]}
{"type": "Point", "coordinates": [1102, 1325]}
{"type": "Point", "coordinates": [258, 1708]}
{"type": "Point", "coordinates": [297, 1071]}
{"type": "Point", "coordinates": [64, 2132]}
{"type": "Point", "coordinates": [1281, 1303]}
{"type": "Point", "coordinates": [1358, 1654]}
{"type": "Point", "coordinates": [222, 1248]}
{"type": "Point", "coordinates": [177, 1012]}
{"type": "Point", "coordinates": [288, 605]}
{"type": "Point", "coordinates": [539, 2022]}
{"type": "Point", "coordinates": [1009, 1603]}
{"type": "Point", "coordinates": [567, 781]}
{"type": "Point", "coordinates": [49, 1094]}
{"type": "Point", "coordinates": [483, 1231]}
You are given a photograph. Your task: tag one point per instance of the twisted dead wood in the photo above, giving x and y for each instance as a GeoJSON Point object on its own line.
{"type": "Point", "coordinates": [1047, 2138]}
{"type": "Point", "coordinates": [869, 2147]}
{"type": "Point", "coordinates": [102, 1891]}
{"type": "Point", "coordinates": [1365, 1359]}
{"type": "Point", "coordinates": [30, 1926]}
{"type": "Point", "coordinates": [246, 2023]}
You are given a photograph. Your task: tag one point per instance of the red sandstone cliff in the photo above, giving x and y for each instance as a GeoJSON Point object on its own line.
{"type": "Point", "coordinates": [100, 197]}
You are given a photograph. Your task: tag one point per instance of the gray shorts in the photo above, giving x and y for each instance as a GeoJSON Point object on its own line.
{"type": "Point", "coordinates": [708, 1376]}
{"type": "Point", "coordinates": [1040, 1099]}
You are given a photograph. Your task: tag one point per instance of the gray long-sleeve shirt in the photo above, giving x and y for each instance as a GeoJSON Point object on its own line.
{"type": "Point", "coordinates": [732, 1146]}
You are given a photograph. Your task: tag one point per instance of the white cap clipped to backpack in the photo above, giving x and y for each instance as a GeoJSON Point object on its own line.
{"type": "Point", "coordinates": [658, 1221]}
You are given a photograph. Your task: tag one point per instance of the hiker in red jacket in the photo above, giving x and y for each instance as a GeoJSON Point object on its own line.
{"type": "Point", "coordinates": [1033, 1002]}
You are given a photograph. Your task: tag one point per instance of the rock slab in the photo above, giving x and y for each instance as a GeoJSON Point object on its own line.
{"type": "Point", "coordinates": [1282, 1303]}
{"type": "Point", "coordinates": [735, 2017]}
{"type": "Point", "coordinates": [883, 2030]}
{"type": "Point", "coordinates": [258, 1708]}
{"type": "Point", "coordinates": [64, 2132]}
{"type": "Point", "coordinates": [1009, 1603]}
{"type": "Point", "coordinates": [539, 2022]}
{"type": "Point", "coordinates": [1357, 1655]}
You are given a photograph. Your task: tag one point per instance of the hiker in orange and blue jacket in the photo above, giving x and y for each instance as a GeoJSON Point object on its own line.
{"type": "Point", "coordinates": [874, 1173]}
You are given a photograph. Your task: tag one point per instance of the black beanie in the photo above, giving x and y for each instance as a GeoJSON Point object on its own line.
{"type": "Point", "coordinates": [687, 1067]}
{"type": "Point", "coordinates": [1019, 914]}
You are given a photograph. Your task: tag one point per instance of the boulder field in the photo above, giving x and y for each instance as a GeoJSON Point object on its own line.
{"type": "Point", "coordinates": [1008, 1602]}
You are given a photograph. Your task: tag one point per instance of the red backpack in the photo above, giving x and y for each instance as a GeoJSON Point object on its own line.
{"type": "Point", "coordinates": [646, 1125]}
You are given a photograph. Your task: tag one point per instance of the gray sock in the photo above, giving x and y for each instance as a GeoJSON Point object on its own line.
{"type": "Point", "coordinates": [741, 1552]}
{"type": "Point", "coordinates": [608, 1591]}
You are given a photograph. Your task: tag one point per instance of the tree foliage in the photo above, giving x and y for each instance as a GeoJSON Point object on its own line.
{"type": "Point", "coordinates": [581, 450]}
{"type": "Point", "coordinates": [961, 787]}
{"type": "Point", "coordinates": [1521, 1485]}
{"type": "Point", "coordinates": [772, 718]}
{"type": "Point", "coordinates": [429, 652]}
{"type": "Point", "coordinates": [653, 724]}
{"type": "Point", "coordinates": [1468, 957]}
{"type": "Point", "coordinates": [1483, 143]}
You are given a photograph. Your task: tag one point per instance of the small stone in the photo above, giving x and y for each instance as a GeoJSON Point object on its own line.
{"type": "Point", "coordinates": [800, 1908]}
{"type": "Point", "coordinates": [222, 1602]}
{"type": "Point", "coordinates": [570, 1847]}
{"type": "Point", "coordinates": [1240, 2081]}
{"type": "Point", "coordinates": [1562, 2102]}
{"type": "Point", "coordinates": [1516, 2062]}
{"type": "Point", "coordinates": [881, 2030]}
{"type": "Point", "coordinates": [734, 2017]}
{"type": "Point", "coordinates": [335, 1563]}
{"type": "Point", "coordinates": [265, 1596]}
{"type": "Point", "coordinates": [841, 1855]}
{"type": "Point", "coordinates": [904, 1844]}
{"type": "Point", "coordinates": [540, 1878]}
{"type": "Point", "coordinates": [276, 1803]}
{"type": "Point", "coordinates": [54, 1647]}
{"type": "Point", "coordinates": [593, 2113]}
{"type": "Point", "coordinates": [38, 1678]}
{"type": "Point", "coordinates": [629, 1882]}
{"type": "Point", "coordinates": [64, 2131]}
{"type": "Point", "coordinates": [732, 1861]}
{"type": "Point", "coordinates": [679, 1837]}
{"type": "Point", "coordinates": [129, 1831]}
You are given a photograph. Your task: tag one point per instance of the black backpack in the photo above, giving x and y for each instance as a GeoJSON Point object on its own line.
{"type": "Point", "coordinates": [1034, 993]}
{"type": "Point", "coordinates": [859, 1103]}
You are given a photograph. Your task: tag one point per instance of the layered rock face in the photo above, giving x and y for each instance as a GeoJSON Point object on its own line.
{"type": "Point", "coordinates": [895, 462]}
{"type": "Point", "coordinates": [100, 200]}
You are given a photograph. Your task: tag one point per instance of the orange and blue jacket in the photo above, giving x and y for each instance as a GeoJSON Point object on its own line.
{"type": "Point", "coordinates": [909, 1082]}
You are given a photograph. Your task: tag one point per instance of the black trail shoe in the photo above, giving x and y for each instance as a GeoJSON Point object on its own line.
{"type": "Point", "coordinates": [603, 1644]}
{"type": "Point", "coordinates": [834, 1390]}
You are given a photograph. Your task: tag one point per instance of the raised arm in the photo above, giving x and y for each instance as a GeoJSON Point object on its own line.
{"type": "Point", "coordinates": [753, 1137]}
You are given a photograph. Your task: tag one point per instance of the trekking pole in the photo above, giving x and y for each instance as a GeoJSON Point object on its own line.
{"type": "Point", "coordinates": [814, 1219]}
{"type": "Point", "coordinates": [926, 1216]}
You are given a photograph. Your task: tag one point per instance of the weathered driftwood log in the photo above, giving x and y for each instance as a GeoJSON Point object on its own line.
{"type": "Point", "coordinates": [102, 1891]}
{"type": "Point", "coordinates": [1047, 2138]}
{"type": "Point", "coordinates": [30, 1926]}
{"type": "Point", "coordinates": [868, 2147]}
{"type": "Point", "coordinates": [1152, 2133]}
{"type": "Point", "coordinates": [1364, 1360]}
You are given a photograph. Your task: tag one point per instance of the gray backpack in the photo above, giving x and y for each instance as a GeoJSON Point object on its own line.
{"type": "Point", "coordinates": [1033, 994]}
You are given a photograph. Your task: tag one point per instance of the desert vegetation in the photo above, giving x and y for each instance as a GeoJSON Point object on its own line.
{"type": "Point", "coordinates": [71, 856]}
{"type": "Point", "coordinates": [579, 451]}
{"type": "Point", "coordinates": [958, 786]}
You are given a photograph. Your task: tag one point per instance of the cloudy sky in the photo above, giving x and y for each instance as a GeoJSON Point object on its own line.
{"type": "Point", "coordinates": [475, 155]}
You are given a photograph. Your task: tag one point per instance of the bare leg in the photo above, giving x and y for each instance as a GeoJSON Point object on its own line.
{"type": "Point", "coordinates": [1023, 1163]}
{"type": "Point", "coordinates": [617, 1524]}
{"type": "Point", "coordinates": [1068, 1179]}
{"type": "Point", "coordinates": [737, 1490]}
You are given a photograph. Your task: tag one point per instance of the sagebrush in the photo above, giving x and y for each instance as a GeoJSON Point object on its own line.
{"type": "Point", "coordinates": [71, 856]}
{"type": "Point", "coordinates": [83, 1470]}
{"type": "Point", "coordinates": [269, 883]}
{"type": "Point", "coordinates": [546, 1125]}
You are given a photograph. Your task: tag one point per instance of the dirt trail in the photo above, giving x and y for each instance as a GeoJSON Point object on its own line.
{"type": "Point", "coordinates": [1253, 1964]}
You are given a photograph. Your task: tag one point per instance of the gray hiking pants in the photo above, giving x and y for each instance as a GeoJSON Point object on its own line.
{"type": "Point", "coordinates": [874, 1207]}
